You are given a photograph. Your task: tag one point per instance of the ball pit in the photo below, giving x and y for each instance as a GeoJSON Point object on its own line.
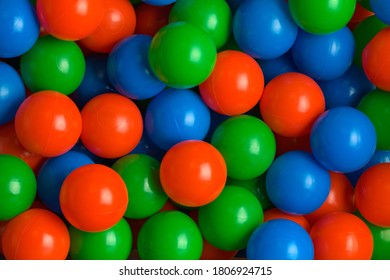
{"type": "Point", "coordinates": [156, 124]}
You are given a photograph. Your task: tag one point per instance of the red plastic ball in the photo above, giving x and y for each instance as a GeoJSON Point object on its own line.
{"type": "Point", "coordinates": [275, 213]}
{"type": "Point", "coordinates": [235, 85]}
{"type": "Point", "coordinates": [341, 198]}
{"type": "Point", "coordinates": [36, 234]}
{"type": "Point", "coordinates": [112, 125]}
{"type": "Point", "coordinates": [290, 104]}
{"type": "Point", "coordinates": [3, 224]}
{"type": "Point", "coordinates": [151, 19]}
{"type": "Point", "coordinates": [341, 236]}
{"type": "Point", "coordinates": [48, 123]}
{"type": "Point", "coordinates": [93, 198]}
{"type": "Point", "coordinates": [211, 252]}
{"type": "Point", "coordinates": [376, 59]}
{"type": "Point", "coordinates": [118, 23]}
{"type": "Point", "coordinates": [193, 173]}
{"type": "Point", "coordinates": [287, 144]}
{"type": "Point", "coordinates": [70, 20]}
{"type": "Point", "coordinates": [359, 15]}
{"type": "Point", "coordinates": [373, 194]}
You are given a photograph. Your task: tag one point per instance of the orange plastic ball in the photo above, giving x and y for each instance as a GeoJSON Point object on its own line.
{"type": "Point", "coordinates": [275, 213]}
{"type": "Point", "coordinates": [93, 198]}
{"type": "Point", "coordinates": [209, 252]}
{"type": "Point", "coordinates": [287, 144]}
{"type": "Point", "coordinates": [118, 23]}
{"type": "Point", "coordinates": [48, 123]}
{"type": "Point", "coordinates": [235, 85]}
{"type": "Point", "coordinates": [376, 59]}
{"type": "Point", "coordinates": [373, 194]}
{"type": "Point", "coordinates": [151, 19]}
{"type": "Point", "coordinates": [193, 173]}
{"type": "Point", "coordinates": [290, 104]}
{"type": "Point", "coordinates": [2, 228]}
{"type": "Point", "coordinates": [112, 125]}
{"type": "Point", "coordinates": [341, 198]}
{"type": "Point", "coordinates": [341, 236]}
{"type": "Point", "coordinates": [70, 20]}
{"type": "Point", "coordinates": [36, 234]}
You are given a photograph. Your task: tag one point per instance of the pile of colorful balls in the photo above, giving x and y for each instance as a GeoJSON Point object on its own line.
{"type": "Point", "coordinates": [194, 129]}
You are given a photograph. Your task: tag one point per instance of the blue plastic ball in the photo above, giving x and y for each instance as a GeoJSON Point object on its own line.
{"type": "Point", "coordinates": [280, 239]}
{"type": "Point", "coordinates": [296, 183]}
{"type": "Point", "coordinates": [95, 80]}
{"type": "Point", "coordinates": [264, 29]}
{"type": "Point", "coordinates": [19, 27]}
{"type": "Point", "coordinates": [346, 90]}
{"type": "Point", "coordinates": [275, 67]}
{"type": "Point", "coordinates": [324, 57]}
{"type": "Point", "coordinates": [158, 2]}
{"type": "Point", "coordinates": [129, 70]}
{"type": "Point", "coordinates": [343, 139]}
{"type": "Point", "coordinates": [176, 115]}
{"type": "Point", "coordinates": [147, 147]}
{"type": "Point", "coordinates": [12, 92]}
{"type": "Point", "coordinates": [53, 173]}
{"type": "Point", "coordinates": [381, 8]}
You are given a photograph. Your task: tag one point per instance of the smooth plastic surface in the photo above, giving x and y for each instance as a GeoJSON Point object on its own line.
{"type": "Point", "coordinates": [277, 66]}
{"type": "Point", "coordinates": [93, 198]}
{"type": "Point", "coordinates": [159, 2]}
{"type": "Point", "coordinates": [236, 84]}
{"type": "Point", "coordinates": [381, 8]}
{"type": "Point", "coordinates": [275, 213]}
{"type": "Point", "coordinates": [193, 173]}
{"type": "Point", "coordinates": [296, 183]}
{"type": "Point", "coordinates": [48, 123]}
{"type": "Point", "coordinates": [228, 221]}
{"type": "Point", "coordinates": [280, 239]}
{"type": "Point", "coordinates": [150, 19]}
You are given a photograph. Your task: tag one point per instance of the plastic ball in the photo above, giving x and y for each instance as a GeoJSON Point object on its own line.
{"type": "Point", "coordinates": [193, 173]}
{"type": "Point", "coordinates": [150, 19]}
{"type": "Point", "coordinates": [275, 213]}
{"type": "Point", "coordinates": [341, 198]}
{"type": "Point", "coordinates": [170, 235]}
{"type": "Point", "coordinates": [229, 220]}
{"type": "Point", "coordinates": [375, 59]}
{"type": "Point", "coordinates": [2, 228]}
{"type": "Point", "coordinates": [381, 8]}
{"type": "Point", "coordinates": [210, 252]}
{"type": "Point", "coordinates": [215, 17]}
{"type": "Point", "coordinates": [112, 244]}
{"type": "Point", "coordinates": [159, 2]}
{"type": "Point", "coordinates": [359, 15]}
{"type": "Point", "coordinates": [48, 123]}
{"type": "Point", "coordinates": [18, 186]}
{"type": "Point", "coordinates": [53, 173]}
{"type": "Point", "coordinates": [256, 32]}
{"type": "Point", "coordinates": [12, 92]}
{"type": "Point", "coordinates": [53, 64]}
{"type": "Point", "coordinates": [141, 175]}
{"type": "Point", "coordinates": [19, 28]}
{"type": "Point", "coordinates": [372, 194]}
{"type": "Point", "coordinates": [36, 234]}
{"type": "Point", "coordinates": [176, 115]}
{"type": "Point", "coordinates": [324, 57]}
{"type": "Point", "coordinates": [375, 106]}
{"type": "Point", "coordinates": [147, 147]}
{"type": "Point", "coordinates": [280, 239]}
{"type": "Point", "coordinates": [343, 139]}
{"type": "Point", "coordinates": [118, 22]}
{"type": "Point", "coordinates": [93, 198]}
{"type": "Point", "coordinates": [112, 125]}
{"type": "Point", "coordinates": [70, 20]}
{"type": "Point", "coordinates": [287, 144]}
{"type": "Point", "coordinates": [321, 16]}
{"type": "Point", "coordinates": [235, 85]}
{"type": "Point", "coordinates": [183, 65]}
{"type": "Point", "coordinates": [296, 183]}
{"type": "Point", "coordinates": [341, 236]}
{"type": "Point", "coordinates": [95, 80]}
{"type": "Point", "coordinates": [247, 145]}
{"type": "Point", "coordinates": [346, 90]}
{"type": "Point", "coordinates": [291, 103]}
{"type": "Point", "coordinates": [277, 66]}
{"type": "Point", "coordinates": [129, 71]}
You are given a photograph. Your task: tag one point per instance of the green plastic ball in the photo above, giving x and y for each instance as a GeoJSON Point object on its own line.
{"type": "Point", "coordinates": [182, 55]}
{"type": "Point", "coordinates": [141, 174]}
{"type": "Point", "coordinates": [112, 244]}
{"type": "Point", "coordinates": [228, 222]}
{"type": "Point", "coordinates": [18, 186]}
{"type": "Point", "coordinates": [247, 144]}
{"type": "Point", "coordinates": [363, 33]}
{"type": "Point", "coordinates": [214, 17]}
{"type": "Point", "coordinates": [366, 4]}
{"type": "Point", "coordinates": [53, 64]}
{"type": "Point", "coordinates": [321, 16]}
{"type": "Point", "coordinates": [376, 106]}
{"type": "Point", "coordinates": [170, 235]}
